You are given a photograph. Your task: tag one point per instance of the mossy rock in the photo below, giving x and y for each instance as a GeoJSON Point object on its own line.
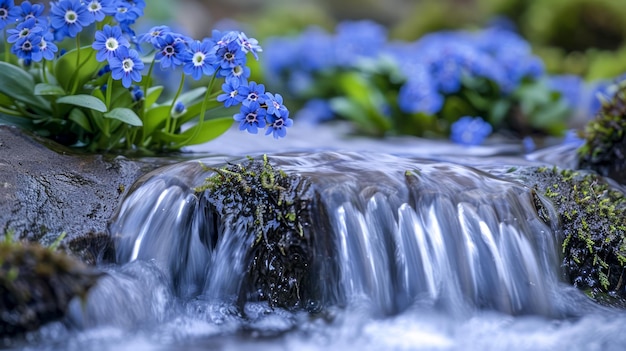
{"type": "Point", "coordinates": [604, 150]}
{"type": "Point", "coordinates": [592, 212]}
{"type": "Point", "coordinates": [37, 284]}
{"type": "Point", "coordinates": [273, 207]}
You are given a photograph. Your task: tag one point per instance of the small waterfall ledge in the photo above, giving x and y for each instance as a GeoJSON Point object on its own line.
{"type": "Point", "coordinates": [379, 231]}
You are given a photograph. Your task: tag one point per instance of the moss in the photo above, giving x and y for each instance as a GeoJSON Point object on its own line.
{"type": "Point", "coordinates": [273, 208]}
{"type": "Point", "coordinates": [593, 221]}
{"type": "Point", "coordinates": [605, 147]}
{"type": "Point", "coordinates": [37, 284]}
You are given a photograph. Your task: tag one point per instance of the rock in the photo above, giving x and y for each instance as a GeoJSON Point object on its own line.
{"type": "Point", "coordinates": [274, 208]}
{"type": "Point", "coordinates": [604, 150]}
{"type": "Point", "coordinates": [592, 216]}
{"type": "Point", "coordinates": [37, 284]}
{"type": "Point", "coordinates": [47, 189]}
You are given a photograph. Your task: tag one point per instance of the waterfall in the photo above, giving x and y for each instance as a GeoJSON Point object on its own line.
{"type": "Point", "coordinates": [389, 233]}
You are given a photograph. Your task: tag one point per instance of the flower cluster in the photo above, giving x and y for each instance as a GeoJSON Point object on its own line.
{"type": "Point", "coordinates": [419, 87]}
{"type": "Point", "coordinates": [103, 93]}
{"type": "Point", "coordinates": [469, 131]}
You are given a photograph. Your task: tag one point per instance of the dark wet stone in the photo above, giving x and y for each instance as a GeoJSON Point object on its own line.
{"type": "Point", "coordinates": [37, 284]}
{"type": "Point", "coordinates": [47, 189]}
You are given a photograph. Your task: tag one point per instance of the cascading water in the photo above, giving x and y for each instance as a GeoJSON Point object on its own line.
{"type": "Point", "coordinates": [406, 253]}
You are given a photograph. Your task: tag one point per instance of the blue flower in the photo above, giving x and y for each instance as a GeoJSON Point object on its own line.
{"type": "Point", "coordinates": [275, 105]}
{"type": "Point", "coordinates": [69, 17]}
{"type": "Point", "coordinates": [23, 30]}
{"type": "Point", "coordinates": [128, 11]}
{"type": "Point", "coordinates": [169, 50]}
{"type": "Point", "coordinates": [47, 48]}
{"type": "Point", "coordinates": [137, 93]}
{"type": "Point", "coordinates": [249, 45]}
{"type": "Point", "coordinates": [240, 73]}
{"type": "Point", "coordinates": [108, 41]}
{"type": "Point", "coordinates": [571, 88]}
{"type": "Point", "coordinates": [7, 14]}
{"type": "Point", "coordinates": [179, 109]}
{"type": "Point", "coordinates": [27, 10]}
{"type": "Point", "coordinates": [278, 125]}
{"type": "Point", "coordinates": [153, 34]}
{"type": "Point", "coordinates": [231, 96]}
{"type": "Point", "coordinates": [469, 131]}
{"type": "Point", "coordinates": [222, 39]}
{"type": "Point", "coordinates": [251, 117]}
{"type": "Point", "coordinates": [229, 55]}
{"type": "Point", "coordinates": [99, 9]}
{"type": "Point", "coordinates": [126, 65]}
{"type": "Point", "coordinates": [25, 47]}
{"type": "Point", "coordinates": [358, 39]}
{"type": "Point", "coordinates": [417, 96]}
{"type": "Point", "coordinates": [252, 92]}
{"type": "Point", "coordinates": [197, 61]}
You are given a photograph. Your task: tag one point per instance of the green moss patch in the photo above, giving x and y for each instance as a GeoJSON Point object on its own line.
{"type": "Point", "coordinates": [273, 208]}
{"type": "Point", "coordinates": [593, 221]}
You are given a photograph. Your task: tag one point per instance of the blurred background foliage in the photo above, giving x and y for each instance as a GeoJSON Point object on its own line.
{"type": "Point", "coordinates": [583, 37]}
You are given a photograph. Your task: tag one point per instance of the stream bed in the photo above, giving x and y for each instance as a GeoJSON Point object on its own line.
{"type": "Point", "coordinates": [423, 245]}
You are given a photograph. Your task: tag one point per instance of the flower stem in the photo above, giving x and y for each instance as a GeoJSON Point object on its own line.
{"type": "Point", "coordinates": [205, 101]}
{"type": "Point", "coordinates": [109, 91]}
{"type": "Point", "coordinates": [75, 81]}
{"type": "Point", "coordinates": [170, 125]}
{"type": "Point", "coordinates": [6, 46]}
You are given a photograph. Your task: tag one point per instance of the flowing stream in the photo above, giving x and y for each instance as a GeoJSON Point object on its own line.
{"type": "Point", "coordinates": [409, 253]}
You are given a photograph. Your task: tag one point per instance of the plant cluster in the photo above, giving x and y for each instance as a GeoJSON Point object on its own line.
{"type": "Point", "coordinates": [592, 213]}
{"type": "Point", "coordinates": [604, 148]}
{"type": "Point", "coordinates": [419, 88]}
{"type": "Point", "coordinates": [103, 96]}
{"type": "Point", "coordinates": [273, 208]}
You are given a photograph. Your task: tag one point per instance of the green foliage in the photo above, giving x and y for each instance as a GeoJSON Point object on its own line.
{"type": "Point", "coordinates": [66, 103]}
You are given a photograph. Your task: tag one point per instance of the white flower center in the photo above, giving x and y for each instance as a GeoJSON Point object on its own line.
{"type": "Point", "coordinates": [237, 71]}
{"type": "Point", "coordinates": [27, 46]}
{"type": "Point", "coordinates": [112, 44]}
{"type": "Point", "coordinates": [251, 117]}
{"type": "Point", "coordinates": [3, 13]}
{"type": "Point", "coordinates": [94, 6]}
{"type": "Point", "coordinates": [71, 16]}
{"type": "Point", "coordinates": [127, 65]}
{"type": "Point", "coordinates": [198, 59]}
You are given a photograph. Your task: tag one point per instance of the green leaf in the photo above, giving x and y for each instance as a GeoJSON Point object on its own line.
{"type": "Point", "coordinates": [198, 134]}
{"type": "Point", "coordinates": [48, 89]}
{"type": "Point", "coordinates": [155, 118]}
{"type": "Point", "coordinates": [194, 109]}
{"type": "Point", "coordinates": [207, 130]}
{"type": "Point", "coordinates": [190, 96]}
{"type": "Point", "coordinates": [79, 117]}
{"type": "Point", "coordinates": [84, 100]}
{"type": "Point", "coordinates": [19, 85]}
{"type": "Point", "coordinates": [153, 95]}
{"type": "Point", "coordinates": [72, 76]}
{"type": "Point", "coordinates": [125, 115]}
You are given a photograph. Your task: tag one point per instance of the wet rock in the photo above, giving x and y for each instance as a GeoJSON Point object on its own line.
{"type": "Point", "coordinates": [592, 216]}
{"type": "Point", "coordinates": [274, 208]}
{"type": "Point", "coordinates": [37, 284]}
{"type": "Point", "coordinates": [47, 189]}
{"type": "Point", "coordinates": [604, 150]}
